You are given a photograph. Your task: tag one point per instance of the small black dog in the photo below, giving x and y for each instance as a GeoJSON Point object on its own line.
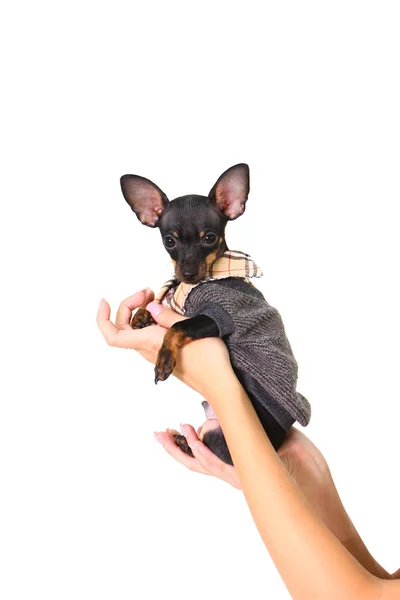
{"type": "Point", "coordinates": [212, 286]}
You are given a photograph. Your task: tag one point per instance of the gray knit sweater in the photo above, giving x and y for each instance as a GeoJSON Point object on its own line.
{"type": "Point", "coordinates": [259, 349]}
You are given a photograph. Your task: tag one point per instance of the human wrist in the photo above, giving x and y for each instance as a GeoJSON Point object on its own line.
{"type": "Point", "coordinates": [219, 384]}
{"type": "Point", "coordinates": [204, 366]}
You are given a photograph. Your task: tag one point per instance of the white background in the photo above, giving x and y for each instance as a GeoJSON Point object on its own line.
{"type": "Point", "coordinates": [308, 94]}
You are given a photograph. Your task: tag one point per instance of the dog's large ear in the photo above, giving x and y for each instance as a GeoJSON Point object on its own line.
{"type": "Point", "coordinates": [146, 199]}
{"type": "Point", "coordinates": [231, 191]}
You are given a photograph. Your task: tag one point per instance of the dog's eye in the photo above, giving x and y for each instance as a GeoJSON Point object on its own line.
{"type": "Point", "coordinates": [169, 241]}
{"type": "Point", "coordinates": [210, 238]}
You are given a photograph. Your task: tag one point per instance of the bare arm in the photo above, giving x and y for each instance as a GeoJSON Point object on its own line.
{"type": "Point", "coordinates": [306, 466]}
{"type": "Point", "coordinates": [301, 458]}
{"type": "Point", "coordinates": [396, 575]}
{"type": "Point", "coordinates": [310, 559]}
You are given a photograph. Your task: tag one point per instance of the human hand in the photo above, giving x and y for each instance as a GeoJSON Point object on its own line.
{"type": "Point", "coordinates": [146, 341]}
{"type": "Point", "coordinates": [207, 356]}
{"type": "Point", "coordinates": [204, 461]}
{"type": "Point", "coordinates": [304, 462]}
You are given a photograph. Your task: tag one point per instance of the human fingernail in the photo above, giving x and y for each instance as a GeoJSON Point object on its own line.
{"type": "Point", "coordinates": [159, 440]}
{"type": "Point", "coordinates": [154, 308]}
{"type": "Point", "coordinates": [183, 429]}
{"type": "Point", "coordinates": [101, 300]}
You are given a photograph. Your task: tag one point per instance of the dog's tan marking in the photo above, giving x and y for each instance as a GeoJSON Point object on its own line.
{"type": "Point", "coordinates": [176, 269]}
{"type": "Point", "coordinates": [202, 234]}
{"type": "Point", "coordinates": [166, 360]}
{"type": "Point", "coordinates": [212, 257]}
{"type": "Point", "coordinates": [174, 340]}
{"type": "Point", "coordinates": [215, 255]}
{"type": "Point", "coordinates": [175, 234]}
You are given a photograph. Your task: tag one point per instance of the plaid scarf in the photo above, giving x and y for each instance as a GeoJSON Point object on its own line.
{"type": "Point", "coordinates": [231, 264]}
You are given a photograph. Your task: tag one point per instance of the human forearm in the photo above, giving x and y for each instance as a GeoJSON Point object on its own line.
{"type": "Point", "coordinates": [319, 488]}
{"type": "Point", "coordinates": [290, 529]}
{"type": "Point", "coordinates": [358, 549]}
{"type": "Point", "coordinates": [317, 485]}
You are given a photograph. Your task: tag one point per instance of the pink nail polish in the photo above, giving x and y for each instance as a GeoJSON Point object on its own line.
{"type": "Point", "coordinates": [159, 440]}
{"type": "Point", "coordinates": [154, 308]}
{"type": "Point", "coordinates": [183, 429]}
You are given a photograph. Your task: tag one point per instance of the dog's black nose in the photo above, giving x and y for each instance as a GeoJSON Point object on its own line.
{"type": "Point", "coordinates": [189, 275]}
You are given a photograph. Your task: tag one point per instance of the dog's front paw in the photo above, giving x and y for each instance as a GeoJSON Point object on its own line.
{"type": "Point", "coordinates": [165, 364]}
{"type": "Point", "coordinates": [142, 318]}
{"type": "Point", "coordinates": [174, 339]}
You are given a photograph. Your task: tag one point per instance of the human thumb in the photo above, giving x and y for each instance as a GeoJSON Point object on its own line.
{"type": "Point", "coordinates": [162, 315]}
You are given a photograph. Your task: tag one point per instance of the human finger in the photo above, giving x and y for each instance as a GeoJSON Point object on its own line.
{"type": "Point", "coordinates": [164, 316]}
{"type": "Point", "coordinates": [127, 306]}
{"type": "Point", "coordinates": [112, 335]}
{"type": "Point", "coordinates": [210, 463]}
{"type": "Point", "coordinates": [173, 450]}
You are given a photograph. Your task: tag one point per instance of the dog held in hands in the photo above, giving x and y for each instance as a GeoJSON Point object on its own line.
{"type": "Point", "coordinates": [212, 285]}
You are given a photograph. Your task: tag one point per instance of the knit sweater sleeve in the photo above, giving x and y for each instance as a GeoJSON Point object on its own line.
{"type": "Point", "coordinates": [256, 340]}
{"type": "Point", "coordinates": [205, 300]}
{"type": "Point", "coordinates": [221, 301]}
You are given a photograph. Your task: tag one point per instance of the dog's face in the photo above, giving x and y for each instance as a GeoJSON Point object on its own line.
{"type": "Point", "coordinates": [192, 227]}
{"type": "Point", "coordinates": [193, 233]}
